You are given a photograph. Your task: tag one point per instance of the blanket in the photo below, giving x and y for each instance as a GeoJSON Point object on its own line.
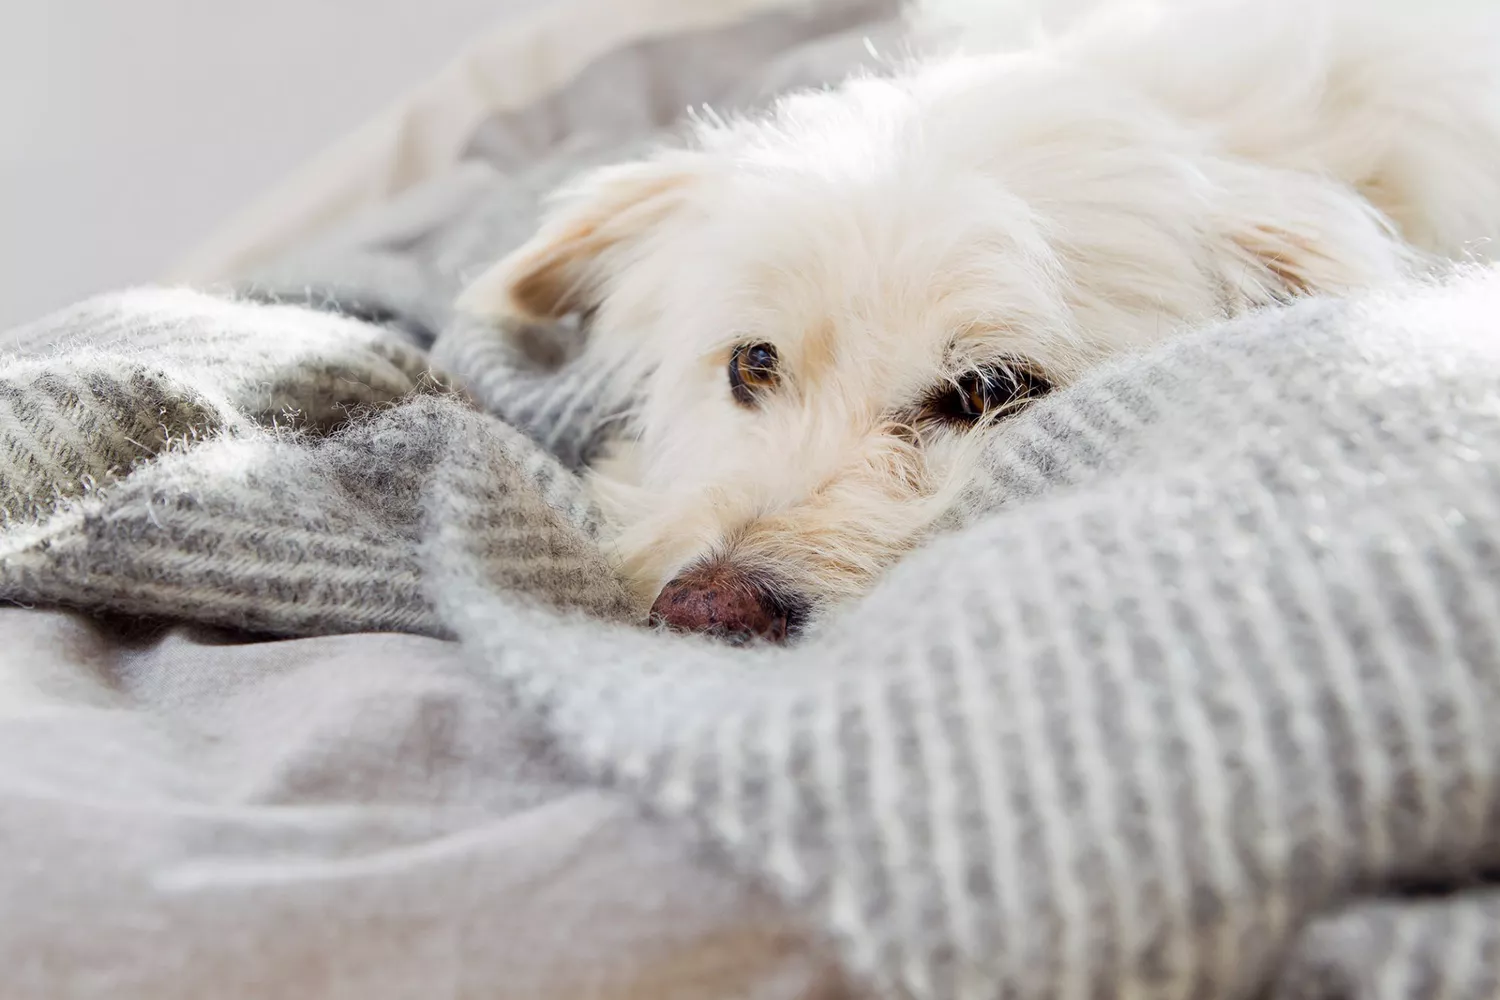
{"type": "Point", "coordinates": [1194, 697]}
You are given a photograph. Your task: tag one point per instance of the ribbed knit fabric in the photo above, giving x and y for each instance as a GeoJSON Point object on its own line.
{"type": "Point", "coordinates": [1195, 697]}
{"type": "Point", "coordinates": [1199, 700]}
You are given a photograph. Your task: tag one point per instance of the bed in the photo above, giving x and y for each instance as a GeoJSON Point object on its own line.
{"type": "Point", "coordinates": [316, 678]}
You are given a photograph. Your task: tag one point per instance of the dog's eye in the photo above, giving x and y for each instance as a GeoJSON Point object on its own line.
{"type": "Point", "coordinates": [752, 371]}
{"type": "Point", "coordinates": [992, 391]}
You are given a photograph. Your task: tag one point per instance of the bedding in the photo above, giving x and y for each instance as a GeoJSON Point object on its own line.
{"type": "Point", "coordinates": [1193, 697]}
{"type": "Point", "coordinates": [186, 814]}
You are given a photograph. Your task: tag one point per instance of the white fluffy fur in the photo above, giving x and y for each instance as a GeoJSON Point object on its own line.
{"type": "Point", "coordinates": [1149, 166]}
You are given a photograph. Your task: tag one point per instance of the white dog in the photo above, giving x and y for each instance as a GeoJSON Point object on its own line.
{"type": "Point", "coordinates": [821, 312]}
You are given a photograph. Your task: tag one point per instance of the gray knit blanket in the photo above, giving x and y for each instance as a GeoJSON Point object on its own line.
{"type": "Point", "coordinates": [1198, 699]}
{"type": "Point", "coordinates": [1196, 696]}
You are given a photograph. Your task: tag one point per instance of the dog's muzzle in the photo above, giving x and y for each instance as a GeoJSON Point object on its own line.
{"type": "Point", "coordinates": [718, 599]}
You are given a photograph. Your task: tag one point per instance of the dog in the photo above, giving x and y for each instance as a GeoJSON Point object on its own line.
{"type": "Point", "coordinates": [820, 314]}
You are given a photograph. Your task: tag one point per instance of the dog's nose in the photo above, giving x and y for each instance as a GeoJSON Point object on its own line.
{"type": "Point", "coordinates": [718, 599]}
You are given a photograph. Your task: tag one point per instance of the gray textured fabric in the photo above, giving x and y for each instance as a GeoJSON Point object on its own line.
{"type": "Point", "coordinates": [179, 455]}
{"type": "Point", "coordinates": [1209, 679]}
{"type": "Point", "coordinates": [1206, 683]}
{"type": "Point", "coordinates": [1402, 949]}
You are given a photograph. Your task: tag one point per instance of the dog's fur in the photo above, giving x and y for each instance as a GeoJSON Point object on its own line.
{"type": "Point", "coordinates": [1153, 166]}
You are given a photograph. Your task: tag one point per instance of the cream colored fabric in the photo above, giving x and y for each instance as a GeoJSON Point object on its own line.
{"type": "Point", "coordinates": [515, 65]}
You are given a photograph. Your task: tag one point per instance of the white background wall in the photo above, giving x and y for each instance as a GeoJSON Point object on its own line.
{"type": "Point", "coordinates": [130, 128]}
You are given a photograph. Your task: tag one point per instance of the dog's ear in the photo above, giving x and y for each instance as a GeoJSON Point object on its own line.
{"type": "Point", "coordinates": [591, 230]}
{"type": "Point", "coordinates": [1305, 236]}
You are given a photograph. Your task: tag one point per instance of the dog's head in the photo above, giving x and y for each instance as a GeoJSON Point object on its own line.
{"type": "Point", "coordinates": [823, 314]}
